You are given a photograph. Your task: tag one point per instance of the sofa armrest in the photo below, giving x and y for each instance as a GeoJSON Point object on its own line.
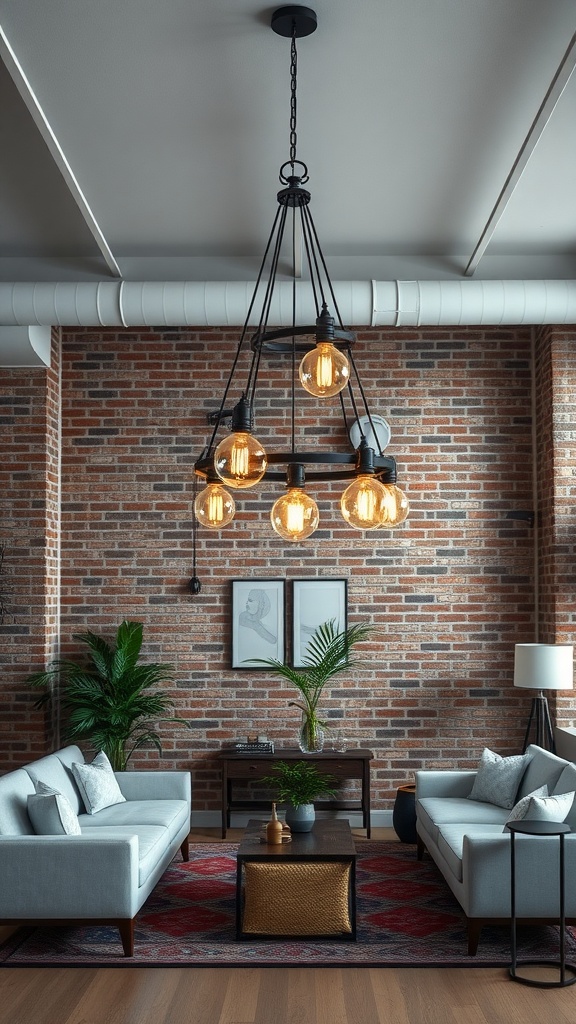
{"type": "Point", "coordinates": [152, 785]}
{"type": "Point", "coordinates": [68, 876]}
{"type": "Point", "coordinates": [444, 783]}
{"type": "Point", "coordinates": [486, 875]}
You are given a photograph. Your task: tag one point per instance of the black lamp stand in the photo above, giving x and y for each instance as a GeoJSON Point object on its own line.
{"type": "Point", "coordinates": [540, 714]}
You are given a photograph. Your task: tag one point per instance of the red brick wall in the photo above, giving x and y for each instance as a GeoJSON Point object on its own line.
{"type": "Point", "coordinates": [448, 590]}
{"type": "Point", "coordinates": [29, 529]}
{"type": "Point", "coordinates": [451, 590]}
{"type": "Point", "coordinates": [556, 418]}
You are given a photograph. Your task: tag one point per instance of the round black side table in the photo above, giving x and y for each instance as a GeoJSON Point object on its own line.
{"type": "Point", "coordinates": [539, 828]}
{"type": "Point", "coordinates": [404, 814]}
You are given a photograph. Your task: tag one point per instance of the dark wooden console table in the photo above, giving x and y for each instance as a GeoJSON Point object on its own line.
{"type": "Point", "coordinates": [351, 764]}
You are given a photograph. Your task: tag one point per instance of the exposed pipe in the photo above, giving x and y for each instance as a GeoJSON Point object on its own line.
{"type": "Point", "coordinates": [222, 303]}
{"type": "Point", "coordinates": [25, 346]}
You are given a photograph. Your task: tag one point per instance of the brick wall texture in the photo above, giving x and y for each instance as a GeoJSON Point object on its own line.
{"type": "Point", "coordinates": [450, 591]}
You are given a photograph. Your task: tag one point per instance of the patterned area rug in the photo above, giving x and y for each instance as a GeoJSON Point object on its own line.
{"type": "Point", "coordinates": [407, 916]}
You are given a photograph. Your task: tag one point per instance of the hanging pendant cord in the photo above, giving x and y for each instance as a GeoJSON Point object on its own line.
{"type": "Point", "coordinates": [293, 103]}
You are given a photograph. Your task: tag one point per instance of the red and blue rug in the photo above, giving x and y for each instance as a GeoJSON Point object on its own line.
{"type": "Point", "coordinates": [407, 916]}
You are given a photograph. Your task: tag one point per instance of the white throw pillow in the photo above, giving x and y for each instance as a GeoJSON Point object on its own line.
{"type": "Point", "coordinates": [97, 784]}
{"type": "Point", "coordinates": [498, 778]}
{"type": "Point", "coordinates": [549, 808]}
{"type": "Point", "coordinates": [519, 810]}
{"type": "Point", "coordinates": [51, 813]}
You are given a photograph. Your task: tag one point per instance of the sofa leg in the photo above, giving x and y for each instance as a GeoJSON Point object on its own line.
{"type": "Point", "coordinates": [420, 847]}
{"type": "Point", "coordinates": [126, 929]}
{"type": "Point", "coordinates": [474, 929]}
{"type": "Point", "coordinates": [184, 849]}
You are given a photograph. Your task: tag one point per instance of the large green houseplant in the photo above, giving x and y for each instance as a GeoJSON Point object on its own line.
{"type": "Point", "coordinates": [329, 652]}
{"type": "Point", "coordinates": [108, 700]}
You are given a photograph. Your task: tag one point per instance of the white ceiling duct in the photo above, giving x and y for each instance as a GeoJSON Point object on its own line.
{"type": "Point", "coordinates": [223, 304]}
{"type": "Point", "coordinates": [25, 346]}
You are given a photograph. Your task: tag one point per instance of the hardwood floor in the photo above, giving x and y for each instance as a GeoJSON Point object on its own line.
{"type": "Point", "coordinates": [276, 995]}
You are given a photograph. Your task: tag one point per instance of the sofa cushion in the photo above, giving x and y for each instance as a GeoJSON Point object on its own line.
{"type": "Point", "coordinates": [451, 842]}
{"type": "Point", "coordinates": [51, 771]}
{"type": "Point", "coordinates": [97, 784]}
{"type": "Point", "coordinates": [544, 769]}
{"type": "Point", "coordinates": [435, 811]}
{"type": "Point", "coordinates": [566, 783]}
{"type": "Point", "coordinates": [15, 788]}
{"type": "Point", "coordinates": [498, 778]}
{"type": "Point", "coordinates": [153, 841]}
{"type": "Point", "coordinates": [172, 814]}
{"type": "Point", "coordinates": [51, 813]}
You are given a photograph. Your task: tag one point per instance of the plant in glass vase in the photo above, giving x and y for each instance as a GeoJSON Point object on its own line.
{"type": "Point", "coordinates": [328, 653]}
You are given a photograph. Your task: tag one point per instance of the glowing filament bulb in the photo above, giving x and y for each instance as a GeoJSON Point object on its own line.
{"type": "Point", "coordinates": [295, 515]}
{"type": "Point", "coordinates": [240, 460]}
{"type": "Point", "coordinates": [324, 371]}
{"type": "Point", "coordinates": [214, 507]}
{"type": "Point", "coordinates": [396, 506]}
{"type": "Point", "coordinates": [363, 502]}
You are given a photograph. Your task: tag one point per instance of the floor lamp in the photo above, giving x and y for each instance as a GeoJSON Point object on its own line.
{"type": "Point", "coordinates": [543, 667]}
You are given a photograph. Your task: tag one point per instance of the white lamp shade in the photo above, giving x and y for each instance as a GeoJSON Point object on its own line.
{"type": "Point", "coordinates": [544, 666]}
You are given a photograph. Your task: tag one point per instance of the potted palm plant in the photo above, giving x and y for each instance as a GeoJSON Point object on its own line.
{"type": "Point", "coordinates": [108, 701]}
{"type": "Point", "coordinates": [298, 784]}
{"type": "Point", "coordinates": [328, 653]}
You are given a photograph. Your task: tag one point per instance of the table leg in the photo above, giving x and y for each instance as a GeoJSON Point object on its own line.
{"type": "Point", "coordinates": [366, 799]}
{"type": "Point", "coordinates": [238, 897]}
{"type": "Point", "coordinates": [224, 800]}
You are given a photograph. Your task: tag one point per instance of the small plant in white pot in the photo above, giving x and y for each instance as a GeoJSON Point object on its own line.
{"type": "Point", "coordinates": [298, 784]}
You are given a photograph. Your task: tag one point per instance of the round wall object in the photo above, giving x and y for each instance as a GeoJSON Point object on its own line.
{"type": "Point", "coordinates": [381, 427]}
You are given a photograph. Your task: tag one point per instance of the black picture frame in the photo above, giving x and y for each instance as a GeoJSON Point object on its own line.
{"type": "Point", "coordinates": [315, 601]}
{"type": "Point", "coordinates": [257, 622]}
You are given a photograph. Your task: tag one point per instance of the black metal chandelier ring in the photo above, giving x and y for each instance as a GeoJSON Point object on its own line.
{"type": "Point", "coordinates": [270, 341]}
{"type": "Point", "coordinates": [384, 466]}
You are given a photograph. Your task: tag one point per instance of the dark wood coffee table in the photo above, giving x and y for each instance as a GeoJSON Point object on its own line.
{"type": "Point", "coordinates": [302, 889]}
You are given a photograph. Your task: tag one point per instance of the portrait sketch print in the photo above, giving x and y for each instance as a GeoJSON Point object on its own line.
{"type": "Point", "coordinates": [314, 602]}
{"type": "Point", "coordinates": [257, 622]}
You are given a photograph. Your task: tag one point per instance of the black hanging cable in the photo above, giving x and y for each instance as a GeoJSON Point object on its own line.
{"type": "Point", "coordinates": [365, 401]}
{"type": "Point", "coordinates": [220, 413]}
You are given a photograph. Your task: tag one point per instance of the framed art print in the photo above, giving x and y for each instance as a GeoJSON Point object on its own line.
{"type": "Point", "coordinates": [257, 622]}
{"type": "Point", "coordinates": [313, 603]}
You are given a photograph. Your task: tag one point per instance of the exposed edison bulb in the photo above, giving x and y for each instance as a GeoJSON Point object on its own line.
{"type": "Point", "coordinates": [240, 460]}
{"type": "Point", "coordinates": [214, 507]}
{"type": "Point", "coordinates": [396, 506]}
{"type": "Point", "coordinates": [363, 502]}
{"type": "Point", "coordinates": [295, 515]}
{"type": "Point", "coordinates": [324, 371]}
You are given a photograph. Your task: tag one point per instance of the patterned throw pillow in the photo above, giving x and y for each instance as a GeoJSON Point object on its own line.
{"type": "Point", "coordinates": [97, 784]}
{"type": "Point", "coordinates": [498, 778]}
{"type": "Point", "coordinates": [519, 810]}
{"type": "Point", "coordinates": [549, 808]}
{"type": "Point", "coordinates": [51, 813]}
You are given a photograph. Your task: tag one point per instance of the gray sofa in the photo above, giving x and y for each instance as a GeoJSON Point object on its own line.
{"type": "Point", "coordinates": [103, 875]}
{"type": "Point", "coordinates": [467, 841]}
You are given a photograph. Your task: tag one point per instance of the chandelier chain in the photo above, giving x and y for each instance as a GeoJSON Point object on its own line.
{"type": "Point", "coordinates": [293, 107]}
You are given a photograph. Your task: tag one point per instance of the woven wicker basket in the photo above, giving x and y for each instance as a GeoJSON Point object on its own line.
{"type": "Point", "coordinates": [296, 899]}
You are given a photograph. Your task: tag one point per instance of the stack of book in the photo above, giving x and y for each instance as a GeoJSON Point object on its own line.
{"type": "Point", "coordinates": [256, 747]}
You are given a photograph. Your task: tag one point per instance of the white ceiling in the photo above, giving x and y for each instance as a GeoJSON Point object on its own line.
{"type": "Point", "coordinates": [173, 118]}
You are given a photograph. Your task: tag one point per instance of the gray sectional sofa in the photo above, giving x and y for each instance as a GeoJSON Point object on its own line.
{"type": "Point", "coordinates": [104, 874]}
{"type": "Point", "coordinates": [468, 842]}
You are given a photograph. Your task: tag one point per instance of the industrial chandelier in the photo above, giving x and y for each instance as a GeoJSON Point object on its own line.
{"type": "Point", "coordinates": [327, 369]}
